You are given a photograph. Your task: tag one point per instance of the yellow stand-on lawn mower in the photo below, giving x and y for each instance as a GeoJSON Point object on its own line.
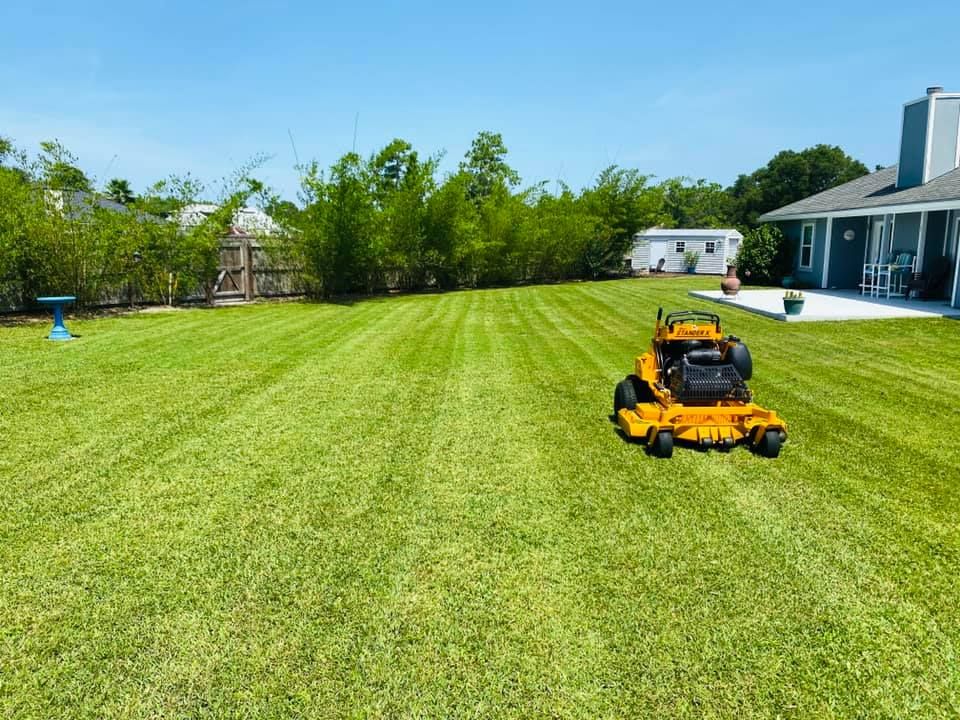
{"type": "Point", "coordinates": [691, 386]}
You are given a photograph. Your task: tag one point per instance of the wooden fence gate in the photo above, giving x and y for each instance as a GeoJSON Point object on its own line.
{"type": "Point", "coordinates": [236, 280]}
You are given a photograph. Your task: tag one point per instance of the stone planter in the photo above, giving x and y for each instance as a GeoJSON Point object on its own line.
{"type": "Point", "coordinates": [731, 283]}
{"type": "Point", "coordinates": [793, 306]}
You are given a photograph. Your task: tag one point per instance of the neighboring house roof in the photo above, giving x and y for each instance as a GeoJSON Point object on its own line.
{"type": "Point", "coordinates": [75, 202]}
{"type": "Point", "coordinates": [249, 220]}
{"type": "Point", "coordinates": [876, 190]}
{"type": "Point", "coordinates": [689, 232]}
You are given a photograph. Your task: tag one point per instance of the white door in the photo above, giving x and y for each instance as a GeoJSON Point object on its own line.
{"type": "Point", "coordinates": [658, 251]}
{"type": "Point", "coordinates": [733, 245]}
{"type": "Point", "coordinates": [875, 246]}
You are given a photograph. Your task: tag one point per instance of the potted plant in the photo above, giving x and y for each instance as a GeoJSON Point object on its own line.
{"type": "Point", "coordinates": [730, 285]}
{"type": "Point", "coordinates": [792, 302]}
{"type": "Point", "coordinates": [787, 281]}
{"type": "Point", "coordinates": [691, 258]}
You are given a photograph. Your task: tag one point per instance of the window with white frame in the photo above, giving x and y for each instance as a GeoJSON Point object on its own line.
{"type": "Point", "coordinates": [710, 247]}
{"type": "Point", "coordinates": [681, 246]}
{"type": "Point", "coordinates": [806, 246]}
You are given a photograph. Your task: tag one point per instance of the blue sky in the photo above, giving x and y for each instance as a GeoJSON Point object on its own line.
{"type": "Point", "coordinates": [699, 89]}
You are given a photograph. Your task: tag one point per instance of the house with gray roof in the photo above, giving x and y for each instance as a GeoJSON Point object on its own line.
{"type": "Point", "coordinates": [911, 207]}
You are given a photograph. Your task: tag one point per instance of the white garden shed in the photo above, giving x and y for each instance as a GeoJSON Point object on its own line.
{"type": "Point", "coordinates": [714, 246]}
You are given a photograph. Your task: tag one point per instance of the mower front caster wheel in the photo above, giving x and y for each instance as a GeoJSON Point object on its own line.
{"type": "Point", "coordinates": [769, 445]}
{"type": "Point", "coordinates": [662, 444]}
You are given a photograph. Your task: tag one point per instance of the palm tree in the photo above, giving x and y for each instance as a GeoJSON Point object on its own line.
{"type": "Point", "coordinates": [119, 190]}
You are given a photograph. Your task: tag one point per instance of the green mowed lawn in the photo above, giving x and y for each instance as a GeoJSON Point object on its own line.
{"type": "Point", "coordinates": [418, 506]}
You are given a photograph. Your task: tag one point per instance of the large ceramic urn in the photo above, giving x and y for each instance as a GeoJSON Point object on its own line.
{"type": "Point", "coordinates": [731, 283]}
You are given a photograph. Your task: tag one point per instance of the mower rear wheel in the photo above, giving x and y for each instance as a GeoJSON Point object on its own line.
{"type": "Point", "coordinates": [769, 445]}
{"type": "Point", "coordinates": [625, 395]}
{"type": "Point", "coordinates": [662, 445]}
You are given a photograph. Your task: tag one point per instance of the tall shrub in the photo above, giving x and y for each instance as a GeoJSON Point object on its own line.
{"type": "Point", "coordinates": [336, 229]}
{"type": "Point", "coordinates": [765, 256]}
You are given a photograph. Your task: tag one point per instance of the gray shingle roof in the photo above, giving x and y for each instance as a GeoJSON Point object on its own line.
{"type": "Point", "coordinates": [77, 203]}
{"type": "Point", "coordinates": [871, 191]}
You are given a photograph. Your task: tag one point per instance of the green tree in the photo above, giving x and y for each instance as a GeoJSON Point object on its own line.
{"type": "Point", "coordinates": [336, 226]}
{"type": "Point", "coordinates": [390, 166]}
{"type": "Point", "coordinates": [54, 243]}
{"type": "Point", "coordinates": [792, 176]}
{"type": "Point", "coordinates": [401, 183]}
{"type": "Point", "coordinates": [486, 165]}
{"type": "Point", "coordinates": [699, 204]}
{"type": "Point", "coordinates": [500, 256]}
{"type": "Point", "coordinates": [165, 271]}
{"type": "Point", "coordinates": [563, 234]}
{"type": "Point", "coordinates": [119, 190]}
{"type": "Point", "coordinates": [59, 169]}
{"type": "Point", "coordinates": [764, 256]}
{"type": "Point", "coordinates": [451, 231]}
{"type": "Point", "coordinates": [21, 209]}
{"type": "Point", "coordinates": [283, 212]}
{"type": "Point", "coordinates": [624, 203]}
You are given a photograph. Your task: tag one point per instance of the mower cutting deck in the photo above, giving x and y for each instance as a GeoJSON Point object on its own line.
{"type": "Point", "coordinates": [691, 386]}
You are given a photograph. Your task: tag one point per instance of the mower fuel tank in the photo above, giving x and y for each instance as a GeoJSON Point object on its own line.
{"type": "Point", "coordinates": [739, 356]}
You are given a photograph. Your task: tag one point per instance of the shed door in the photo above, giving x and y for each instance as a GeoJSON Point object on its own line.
{"type": "Point", "coordinates": [658, 251]}
{"type": "Point", "coordinates": [733, 245]}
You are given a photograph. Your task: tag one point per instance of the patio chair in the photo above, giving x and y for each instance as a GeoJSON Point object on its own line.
{"type": "Point", "coordinates": [926, 285]}
{"type": "Point", "coordinates": [889, 279]}
{"type": "Point", "coordinates": [871, 271]}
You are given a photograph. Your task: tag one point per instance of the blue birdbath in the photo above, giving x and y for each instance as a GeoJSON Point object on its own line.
{"type": "Point", "coordinates": [59, 331]}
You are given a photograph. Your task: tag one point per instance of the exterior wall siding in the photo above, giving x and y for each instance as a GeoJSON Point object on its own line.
{"type": "Point", "coordinates": [943, 147]}
{"type": "Point", "coordinates": [913, 144]}
{"type": "Point", "coordinates": [792, 231]}
{"type": "Point", "coordinates": [906, 232]}
{"type": "Point", "coordinates": [714, 263]}
{"type": "Point", "coordinates": [640, 257]}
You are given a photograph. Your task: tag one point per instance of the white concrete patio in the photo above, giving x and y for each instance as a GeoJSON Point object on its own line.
{"type": "Point", "coordinates": [823, 305]}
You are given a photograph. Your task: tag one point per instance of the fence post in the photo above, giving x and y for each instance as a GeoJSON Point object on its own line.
{"type": "Point", "coordinates": [249, 289]}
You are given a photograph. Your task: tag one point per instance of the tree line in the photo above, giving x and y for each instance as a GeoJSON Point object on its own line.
{"type": "Point", "coordinates": [365, 224]}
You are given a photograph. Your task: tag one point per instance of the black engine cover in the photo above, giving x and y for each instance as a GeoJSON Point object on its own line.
{"type": "Point", "coordinates": [706, 383]}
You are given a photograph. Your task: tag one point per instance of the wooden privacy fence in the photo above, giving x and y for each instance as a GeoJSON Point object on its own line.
{"type": "Point", "coordinates": [246, 271]}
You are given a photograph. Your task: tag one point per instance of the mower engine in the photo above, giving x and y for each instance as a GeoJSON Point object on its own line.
{"type": "Point", "coordinates": [698, 371]}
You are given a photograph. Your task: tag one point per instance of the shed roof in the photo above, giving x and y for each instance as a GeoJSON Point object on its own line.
{"type": "Point", "coordinates": [876, 190]}
{"type": "Point", "coordinates": [657, 232]}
